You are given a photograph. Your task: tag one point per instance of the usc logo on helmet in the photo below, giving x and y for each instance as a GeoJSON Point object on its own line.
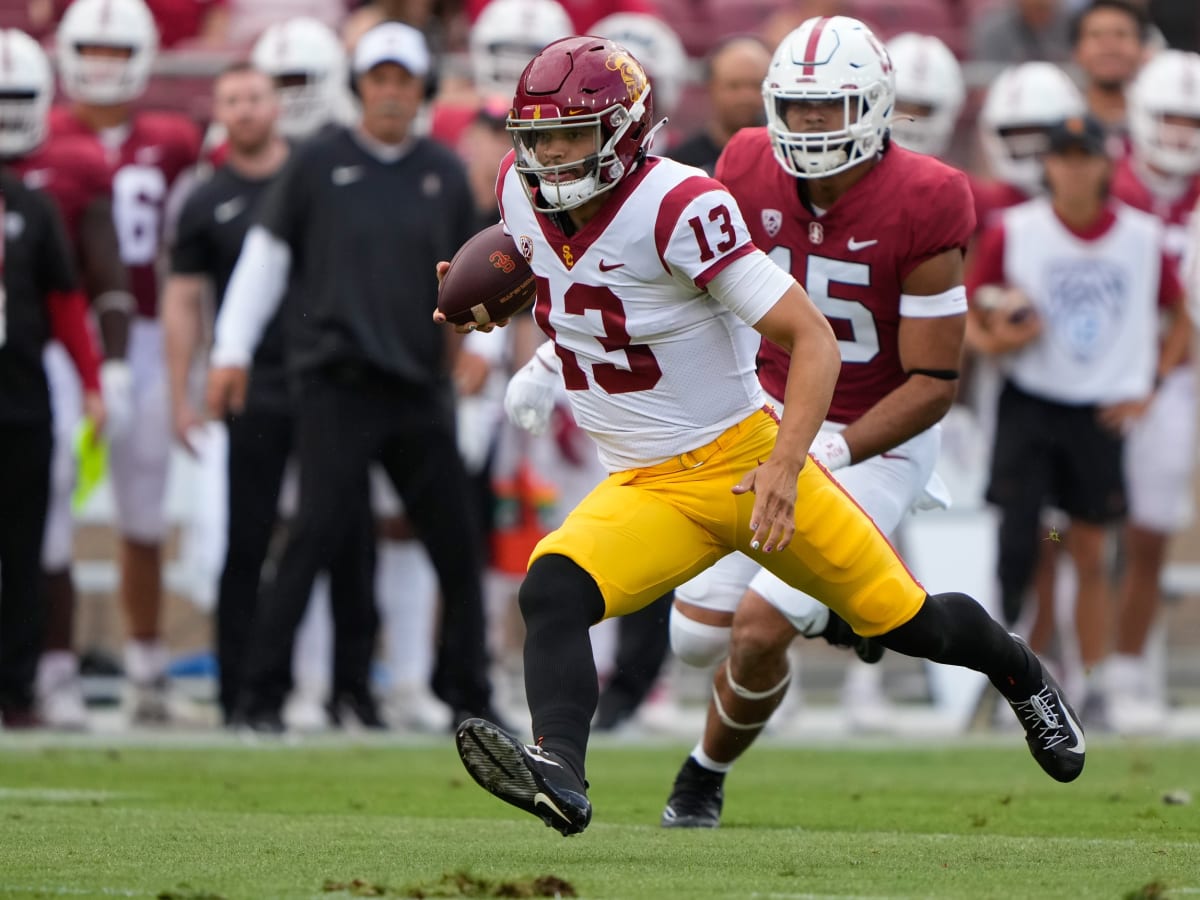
{"type": "Point", "coordinates": [502, 261]}
{"type": "Point", "coordinates": [631, 73]}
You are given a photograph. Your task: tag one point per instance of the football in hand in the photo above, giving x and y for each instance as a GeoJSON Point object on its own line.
{"type": "Point", "coordinates": [488, 280]}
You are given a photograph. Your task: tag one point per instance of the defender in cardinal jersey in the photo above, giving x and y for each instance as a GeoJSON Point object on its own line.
{"type": "Point", "coordinates": [649, 287]}
{"type": "Point", "coordinates": [105, 50]}
{"type": "Point", "coordinates": [888, 277]}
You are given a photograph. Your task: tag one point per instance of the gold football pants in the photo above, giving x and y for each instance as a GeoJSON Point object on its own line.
{"type": "Point", "coordinates": [643, 532]}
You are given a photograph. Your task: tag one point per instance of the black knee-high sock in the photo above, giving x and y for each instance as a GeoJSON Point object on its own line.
{"type": "Point", "coordinates": [954, 629]}
{"type": "Point", "coordinates": [560, 602]}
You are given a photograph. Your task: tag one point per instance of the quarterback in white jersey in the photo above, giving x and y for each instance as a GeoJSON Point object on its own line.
{"type": "Point", "coordinates": [649, 287]}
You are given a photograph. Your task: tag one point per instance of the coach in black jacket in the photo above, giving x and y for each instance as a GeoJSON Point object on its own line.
{"type": "Point", "coordinates": [358, 218]}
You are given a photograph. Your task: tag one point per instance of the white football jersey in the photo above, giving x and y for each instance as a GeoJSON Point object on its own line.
{"type": "Point", "coordinates": [1098, 300]}
{"type": "Point", "coordinates": [653, 365]}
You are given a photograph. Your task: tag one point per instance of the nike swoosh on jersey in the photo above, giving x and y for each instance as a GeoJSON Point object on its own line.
{"type": "Point", "coordinates": [608, 267]}
{"type": "Point", "coordinates": [852, 244]}
{"type": "Point", "coordinates": [344, 175]}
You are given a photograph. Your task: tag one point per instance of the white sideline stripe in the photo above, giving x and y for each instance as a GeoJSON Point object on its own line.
{"type": "Point", "coordinates": [57, 795]}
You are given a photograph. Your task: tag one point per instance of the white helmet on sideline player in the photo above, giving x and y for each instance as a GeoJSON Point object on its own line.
{"type": "Point", "coordinates": [1020, 106]}
{"type": "Point", "coordinates": [509, 33]}
{"type": "Point", "coordinates": [306, 60]}
{"type": "Point", "coordinates": [830, 58]}
{"type": "Point", "coordinates": [656, 45]}
{"type": "Point", "coordinates": [928, 77]}
{"type": "Point", "coordinates": [119, 26]}
{"type": "Point", "coordinates": [26, 89]}
{"type": "Point", "coordinates": [1168, 85]}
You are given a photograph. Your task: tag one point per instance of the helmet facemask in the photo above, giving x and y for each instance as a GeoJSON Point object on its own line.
{"type": "Point", "coordinates": [22, 120]}
{"type": "Point", "coordinates": [596, 173]}
{"type": "Point", "coordinates": [866, 114]}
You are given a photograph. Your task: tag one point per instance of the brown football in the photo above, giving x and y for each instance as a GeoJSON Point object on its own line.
{"type": "Point", "coordinates": [488, 280]}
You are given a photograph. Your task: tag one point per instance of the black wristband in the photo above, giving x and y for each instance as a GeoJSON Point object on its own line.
{"type": "Point", "coordinates": [940, 374]}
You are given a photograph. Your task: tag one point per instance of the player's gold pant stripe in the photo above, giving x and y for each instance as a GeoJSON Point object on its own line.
{"type": "Point", "coordinates": [645, 531]}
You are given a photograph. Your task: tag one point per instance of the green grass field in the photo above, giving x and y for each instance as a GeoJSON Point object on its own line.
{"type": "Point", "coordinates": [325, 820]}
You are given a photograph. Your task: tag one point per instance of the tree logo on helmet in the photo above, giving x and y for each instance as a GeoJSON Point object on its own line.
{"type": "Point", "coordinates": [631, 73]}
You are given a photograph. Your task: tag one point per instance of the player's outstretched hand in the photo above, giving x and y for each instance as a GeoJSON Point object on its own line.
{"type": "Point", "coordinates": [773, 519]}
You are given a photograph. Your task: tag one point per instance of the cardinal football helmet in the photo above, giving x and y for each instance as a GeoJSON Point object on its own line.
{"type": "Point", "coordinates": [26, 89]}
{"type": "Point", "coordinates": [1020, 106]}
{"type": "Point", "coordinates": [1168, 85]}
{"type": "Point", "coordinates": [307, 63]}
{"type": "Point", "coordinates": [581, 82]}
{"type": "Point", "coordinates": [927, 75]}
{"type": "Point", "coordinates": [120, 25]}
{"type": "Point", "coordinates": [506, 35]}
{"type": "Point", "coordinates": [654, 42]}
{"type": "Point", "coordinates": [830, 58]}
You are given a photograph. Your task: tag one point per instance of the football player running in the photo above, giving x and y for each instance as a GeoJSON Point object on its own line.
{"type": "Point", "coordinates": [105, 49]}
{"type": "Point", "coordinates": [74, 173]}
{"type": "Point", "coordinates": [651, 290]}
{"type": "Point", "coordinates": [889, 278]}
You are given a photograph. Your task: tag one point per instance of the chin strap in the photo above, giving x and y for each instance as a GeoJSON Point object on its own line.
{"type": "Point", "coordinates": [655, 129]}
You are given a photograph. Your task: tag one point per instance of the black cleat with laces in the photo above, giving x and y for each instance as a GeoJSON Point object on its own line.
{"type": "Point", "coordinates": [525, 775]}
{"type": "Point", "coordinates": [1052, 729]}
{"type": "Point", "coordinates": [696, 798]}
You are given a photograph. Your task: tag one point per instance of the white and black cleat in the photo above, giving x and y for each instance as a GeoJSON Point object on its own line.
{"type": "Point", "coordinates": [1052, 729]}
{"type": "Point", "coordinates": [524, 775]}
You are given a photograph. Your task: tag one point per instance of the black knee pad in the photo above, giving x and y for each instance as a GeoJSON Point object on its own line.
{"type": "Point", "coordinates": [557, 587]}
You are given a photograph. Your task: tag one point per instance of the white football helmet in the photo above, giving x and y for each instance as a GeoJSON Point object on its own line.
{"type": "Point", "coordinates": [927, 75]}
{"type": "Point", "coordinates": [26, 89]}
{"type": "Point", "coordinates": [306, 60]}
{"type": "Point", "coordinates": [507, 35]}
{"type": "Point", "coordinates": [656, 45]}
{"type": "Point", "coordinates": [116, 24]}
{"type": "Point", "coordinates": [1022, 103]}
{"type": "Point", "coordinates": [1168, 85]}
{"type": "Point", "coordinates": [830, 58]}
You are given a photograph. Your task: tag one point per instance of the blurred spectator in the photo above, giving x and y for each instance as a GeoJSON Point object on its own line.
{"type": "Point", "coordinates": [929, 93]}
{"type": "Point", "coordinates": [359, 216]}
{"type": "Point", "coordinates": [1109, 37]}
{"type": "Point", "coordinates": [248, 19]}
{"type": "Point", "coordinates": [307, 63]}
{"type": "Point", "coordinates": [734, 74]}
{"type": "Point", "coordinates": [75, 174]}
{"type": "Point", "coordinates": [106, 49]}
{"type": "Point", "coordinates": [1020, 107]}
{"type": "Point", "coordinates": [584, 13]}
{"type": "Point", "coordinates": [37, 299]}
{"type": "Point", "coordinates": [1067, 290]}
{"type": "Point", "coordinates": [502, 41]}
{"type": "Point", "coordinates": [1162, 177]}
{"type": "Point", "coordinates": [180, 22]}
{"type": "Point", "coordinates": [1022, 31]}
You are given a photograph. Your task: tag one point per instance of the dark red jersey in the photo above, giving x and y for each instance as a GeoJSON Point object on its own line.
{"type": "Point", "coordinates": [145, 158]}
{"type": "Point", "coordinates": [853, 258]}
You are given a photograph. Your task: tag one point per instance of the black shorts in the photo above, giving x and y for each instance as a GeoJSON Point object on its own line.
{"type": "Point", "coordinates": [1059, 454]}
